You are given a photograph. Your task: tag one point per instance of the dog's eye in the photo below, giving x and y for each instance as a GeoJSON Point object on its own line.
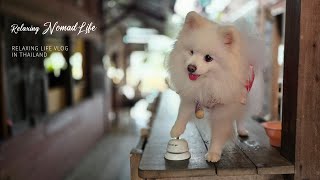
{"type": "Point", "coordinates": [191, 52]}
{"type": "Point", "coordinates": [208, 58]}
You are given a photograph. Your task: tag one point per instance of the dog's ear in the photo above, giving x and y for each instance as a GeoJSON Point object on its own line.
{"type": "Point", "coordinates": [230, 36]}
{"type": "Point", "coordinates": [194, 20]}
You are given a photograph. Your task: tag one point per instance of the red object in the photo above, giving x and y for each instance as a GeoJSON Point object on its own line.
{"type": "Point", "coordinates": [273, 130]}
{"type": "Point", "coordinates": [250, 79]}
{"type": "Point", "coordinates": [193, 77]}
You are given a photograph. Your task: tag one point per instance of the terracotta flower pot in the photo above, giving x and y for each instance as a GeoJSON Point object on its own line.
{"type": "Point", "coordinates": [273, 130]}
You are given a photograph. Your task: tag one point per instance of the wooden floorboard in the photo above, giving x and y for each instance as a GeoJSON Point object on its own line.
{"type": "Point", "coordinates": [233, 161]}
{"type": "Point", "coordinates": [242, 157]}
{"type": "Point", "coordinates": [257, 148]}
{"type": "Point", "coordinates": [248, 153]}
{"type": "Point", "coordinates": [153, 164]}
{"type": "Point", "coordinates": [242, 177]}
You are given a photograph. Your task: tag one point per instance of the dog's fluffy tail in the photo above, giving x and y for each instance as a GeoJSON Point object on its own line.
{"type": "Point", "coordinates": [256, 52]}
{"type": "Point", "coordinates": [255, 46]}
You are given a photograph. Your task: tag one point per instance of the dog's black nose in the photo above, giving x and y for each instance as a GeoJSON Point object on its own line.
{"type": "Point", "coordinates": [192, 68]}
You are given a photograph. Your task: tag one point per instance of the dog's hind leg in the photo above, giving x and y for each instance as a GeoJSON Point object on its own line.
{"type": "Point", "coordinates": [241, 129]}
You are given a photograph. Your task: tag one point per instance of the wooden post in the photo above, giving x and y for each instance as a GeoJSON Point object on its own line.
{"type": "Point", "coordinates": [67, 76]}
{"type": "Point", "coordinates": [3, 117]}
{"type": "Point", "coordinates": [135, 157]}
{"type": "Point", "coordinates": [88, 67]}
{"type": "Point", "coordinates": [276, 40]}
{"type": "Point", "coordinates": [301, 89]}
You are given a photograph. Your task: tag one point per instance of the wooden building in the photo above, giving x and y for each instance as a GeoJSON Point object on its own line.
{"type": "Point", "coordinates": [50, 116]}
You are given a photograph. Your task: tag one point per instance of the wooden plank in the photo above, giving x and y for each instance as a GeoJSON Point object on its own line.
{"type": "Point", "coordinates": [240, 157]}
{"type": "Point", "coordinates": [135, 158]}
{"type": "Point", "coordinates": [153, 164]}
{"type": "Point", "coordinates": [276, 40]}
{"type": "Point", "coordinates": [67, 74]}
{"type": "Point", "coordinates": [290, 79]}
{"type": "Point", "coordinates": [307, 124]}
{"type": "Point", "coordinates": [258, 149]}
{"type": "Point", "coordinates": [243, 177]}
{"type": "Point", "coordinates": [88, 67]}
{"type": "Point", "coordinates": [3, 114]}
{"type": "Point", "coordinates": [233, 160]}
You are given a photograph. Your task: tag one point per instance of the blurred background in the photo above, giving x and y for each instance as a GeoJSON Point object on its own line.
{"type": "Point", "coordinates": [76, 114]}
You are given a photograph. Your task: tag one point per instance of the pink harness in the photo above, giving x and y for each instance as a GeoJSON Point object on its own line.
{"type": "Point", "coordinates": [250, 79]}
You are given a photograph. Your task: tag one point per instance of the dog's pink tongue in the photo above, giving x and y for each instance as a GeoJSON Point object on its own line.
{"type": "Point", "coordinates": [193, 77]}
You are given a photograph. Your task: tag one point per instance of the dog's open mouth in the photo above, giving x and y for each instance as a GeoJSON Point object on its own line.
{"type": "Point", "coordinates": [193, 77]}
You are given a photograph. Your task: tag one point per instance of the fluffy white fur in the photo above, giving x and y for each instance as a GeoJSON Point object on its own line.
{"type": "Point", "coordinates": [220, 85]}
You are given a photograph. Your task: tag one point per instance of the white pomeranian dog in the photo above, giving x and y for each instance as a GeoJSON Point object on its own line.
{"type": "Point", "coordinates": [219, 68]}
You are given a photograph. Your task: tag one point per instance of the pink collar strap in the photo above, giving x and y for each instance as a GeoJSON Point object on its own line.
{"type": "Point", "coordinates": [249, 81]}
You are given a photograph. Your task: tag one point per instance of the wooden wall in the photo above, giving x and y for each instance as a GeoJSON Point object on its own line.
{"type": "Point", "coordinates": [301, 96]}
{"type": "Point", "coordinates": [52, 148]}
{"type": "Point", "coordinates": [3, 116]}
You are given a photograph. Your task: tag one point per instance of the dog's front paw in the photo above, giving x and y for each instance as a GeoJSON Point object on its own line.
{"type": "Point", "coordinates": [213, 157]}
{"type": "Point", "coordinates": [176, 131]}
{"type": "Point", "coordinates": [243, 132]}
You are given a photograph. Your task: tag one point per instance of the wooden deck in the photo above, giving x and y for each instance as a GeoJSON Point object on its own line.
{"type": "Point", "coordinates": [250, 158]}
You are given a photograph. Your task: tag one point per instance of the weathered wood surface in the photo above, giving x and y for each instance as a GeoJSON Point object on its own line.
{"type": "Point", "coordinates": [135, 158]}
{"type": "Point", "coordinates": [255, 149]}
{"type": "Point", "coordinates": [153, 164]}
{"type": "Point", "coordinates": [241, 157]}
{"type": "Point", "coordinates": [301, 105]}
{"type": "Point", "coordinates": [3, 93]}
{"type": "Point", "coordinates": [276, 40]}
{"type": "Point", "coordinates": [243, 177]}
{"type": "Point", "coordinates": [233, 160]}
{"type": "Point", "coordinates": [290, 80]}
{"type": "Point", "coordinates": [258, 149]}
